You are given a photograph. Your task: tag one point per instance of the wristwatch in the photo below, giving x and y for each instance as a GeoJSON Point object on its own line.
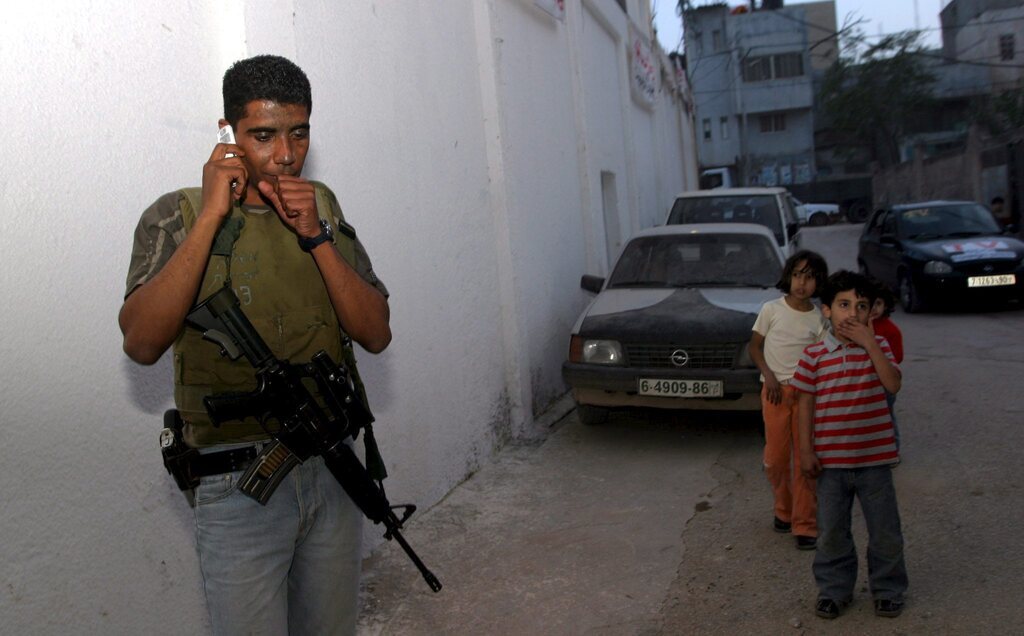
{"type": "Point", "coordinates": [326, 234]}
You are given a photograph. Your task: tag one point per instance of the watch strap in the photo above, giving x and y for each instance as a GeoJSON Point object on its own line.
{"type": "Point", "coordinates": [307, 244]}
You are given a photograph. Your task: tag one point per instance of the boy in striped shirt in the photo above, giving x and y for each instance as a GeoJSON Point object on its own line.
{"type": "Point", "coordinates": [847, 443]}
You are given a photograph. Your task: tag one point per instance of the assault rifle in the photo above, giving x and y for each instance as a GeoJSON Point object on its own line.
{"type": "Point", "coordinates": [306, 429]}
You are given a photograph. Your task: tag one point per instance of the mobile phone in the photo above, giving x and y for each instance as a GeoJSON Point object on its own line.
{"type": "Point", "coordinates": [226, 135]}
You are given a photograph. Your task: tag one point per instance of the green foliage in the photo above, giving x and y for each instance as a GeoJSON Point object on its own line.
{"type": "Point", "coordinates": [870, 95]}
{"type": "Point", "coordinates": [1001, 113]}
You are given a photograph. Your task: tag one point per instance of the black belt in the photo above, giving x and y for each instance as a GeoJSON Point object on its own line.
{"type": "Point", "coordinates": [227, 461]}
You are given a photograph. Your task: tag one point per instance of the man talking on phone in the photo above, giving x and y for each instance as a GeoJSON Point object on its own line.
{"type": "Point", "coordinates": [306, 283]}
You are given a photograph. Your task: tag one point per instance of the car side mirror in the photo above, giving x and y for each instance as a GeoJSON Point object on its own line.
{"type": "Point", "coordinates": [792, 229]}
{"type": "Point", "coordinates": [591, 283]}
{"type": "Point", "coordinates": [887, 239]}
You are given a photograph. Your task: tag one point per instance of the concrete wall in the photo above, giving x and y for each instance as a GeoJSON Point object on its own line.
{"type": "Point", "coordinates": [979, 40]}
{"type": "Point", "coordinates": [956, 13]}
{"type": "Point", "coordinates": [464, 140]}
{"type": "Point", "coordinates": [821, 19]}
{"type": "Point", "coordinates": [952, 175]}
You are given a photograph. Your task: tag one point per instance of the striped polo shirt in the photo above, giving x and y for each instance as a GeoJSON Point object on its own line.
{"type": "Point", "coordinates": [852, 422]}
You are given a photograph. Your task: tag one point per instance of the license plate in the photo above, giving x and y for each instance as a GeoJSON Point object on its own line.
{"type": "Point", "coordinates": [680, 388]}
{"type": "Point", "coordinates": [991, 281]}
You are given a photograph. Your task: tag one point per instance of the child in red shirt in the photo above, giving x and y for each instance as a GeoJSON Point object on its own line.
{"type": "Point", "coordinates": [883, 326]}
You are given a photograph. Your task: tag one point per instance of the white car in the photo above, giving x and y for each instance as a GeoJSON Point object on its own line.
{"type": "Point", "coordinates": [816, 214]}
{"type": "Point", "coordinates": [670, 326]}
{"type": "Point", "coordinates": [770, 207]}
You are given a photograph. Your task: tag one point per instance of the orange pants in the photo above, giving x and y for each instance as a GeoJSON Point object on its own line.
{"type": "Point", "coordinates": [795, 500]}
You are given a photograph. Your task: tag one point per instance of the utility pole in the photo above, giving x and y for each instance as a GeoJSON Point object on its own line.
{"type": "Point", "coordinates": [744, 167]}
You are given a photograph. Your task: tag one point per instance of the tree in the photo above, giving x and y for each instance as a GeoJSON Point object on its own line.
{"type": "Point", "coordinates": [1002, 112]}
{"type": "Point", "coordinates": [871, 94]}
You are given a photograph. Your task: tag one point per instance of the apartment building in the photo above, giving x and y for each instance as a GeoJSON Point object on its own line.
{"type": "Point", "coordinates": [753, 77]}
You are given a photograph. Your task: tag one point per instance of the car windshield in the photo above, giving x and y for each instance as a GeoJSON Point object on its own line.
{"type": "Point", "coordinates": [698, 260]}
{"type": "Point", "coordinates": [947, 221]}
{"type": "Point", "coordinates": [762, 209]}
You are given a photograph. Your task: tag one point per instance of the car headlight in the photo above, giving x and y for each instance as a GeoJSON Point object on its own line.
{"type": "Point", "coordinates": [596, 351]}
{"type": "Point", "coordinates": [937, 267]}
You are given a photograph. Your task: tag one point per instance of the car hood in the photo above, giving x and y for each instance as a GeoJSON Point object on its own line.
{"type": "Point", "coordinates": [975, 248]}
{"type": "Point", "coordinates": [712, 314]}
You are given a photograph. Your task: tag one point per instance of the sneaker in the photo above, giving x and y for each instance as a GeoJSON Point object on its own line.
{"type": "Point", "coordinates": [888, 608]}
{"type": "Point", "coordinates": [826, 608]}
{"type": "Point", "coordinates": [806, 543]}
{"type": "Point", "coordinates": [781, 526]}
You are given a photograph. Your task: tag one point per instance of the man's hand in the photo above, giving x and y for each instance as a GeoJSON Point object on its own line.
{"type": "Point", "coordinates": [809, 464]}
{"type": "Point", "coordinates": [856, 332]}
{"type": "Point", "coordinates": [772, 387]}
{"type": "Point", "coordinates": [224, 180]}
{"type": "Point", "coordinates": [294, 200]}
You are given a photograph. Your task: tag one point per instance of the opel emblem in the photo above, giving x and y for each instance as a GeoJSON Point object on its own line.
{"type": "Point", "coordinates": [989, 268]}
{"type": "Point", "coordinates": [679, 358]}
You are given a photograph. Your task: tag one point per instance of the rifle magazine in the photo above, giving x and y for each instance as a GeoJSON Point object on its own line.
{"type": "Point", "coordinates": [264, 475]}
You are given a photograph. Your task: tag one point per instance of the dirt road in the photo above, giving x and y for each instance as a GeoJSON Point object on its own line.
{"type": "Point", "coordinates": [660, 523]}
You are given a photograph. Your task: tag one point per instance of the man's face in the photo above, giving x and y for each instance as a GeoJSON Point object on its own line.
{"type": "Point", "coordinates": [275, 138]}
{"type": "Point", "coordinates": [847, 305]}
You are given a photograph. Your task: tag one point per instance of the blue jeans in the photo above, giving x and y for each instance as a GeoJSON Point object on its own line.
{"type": "Point", "coordinates": [835, 562]}
{"type": "Point", "coordinates": [290, 567]}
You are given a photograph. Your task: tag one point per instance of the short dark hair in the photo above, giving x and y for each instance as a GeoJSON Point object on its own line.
{"type": "Point", "coordinates": [269, 77]}
{"type": "Point", "coordinates": [816, 263]}
{"type": "Point", "coordinates": [845, 280]}
{"type": "Point", "coordinates": [883, 293]}
{"type": "Point", "coordinates": [996, 200]}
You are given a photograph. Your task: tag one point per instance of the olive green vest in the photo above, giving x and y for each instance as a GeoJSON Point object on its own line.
{"type": "Point", "coordinates": [281, 292]}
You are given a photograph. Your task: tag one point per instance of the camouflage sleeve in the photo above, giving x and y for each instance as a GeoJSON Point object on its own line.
{"type": "Point", "coordinates": [363, 266]}
{"type": "Point", "coordinates": [158, 234]}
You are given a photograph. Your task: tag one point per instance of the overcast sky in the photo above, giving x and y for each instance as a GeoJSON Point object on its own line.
{"type": "Point", "coordinates": [880, 16]}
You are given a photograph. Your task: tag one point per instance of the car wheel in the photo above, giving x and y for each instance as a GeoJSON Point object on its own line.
{"type": "Point", "coordinates": [591, 415]}
{"type": "Point", "coordinates": [910, 297]}
{"type": "Point", "coordinates": [818, 219]}
{"type": "Point", "coordinates": [858, 215]}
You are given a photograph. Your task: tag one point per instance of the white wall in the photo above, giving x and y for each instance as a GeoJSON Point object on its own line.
{"type": "Point", "coordinates": [463, 139]}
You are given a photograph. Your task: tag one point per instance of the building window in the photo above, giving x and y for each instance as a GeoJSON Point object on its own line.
{"type": "Point", "coordinates": [788, 65]}
{"type": "Point", "coordinates": [775, 122]}
{"type": "Point", "coordinates": [1006, 46]}
{"type": "Point", "coordinates": [707, 129]}
{"type": "Point", "coordinates": [717, 44]}
{"type": "Point", "coordinates": [723, 125]}
{"type": "Point", "coordinates": [757, 69]}
{"type": "Point", "coordinates": [767, 67]}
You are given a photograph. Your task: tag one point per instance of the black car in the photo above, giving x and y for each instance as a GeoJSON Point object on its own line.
{"type": "Point", "coordinates": [939, 251]}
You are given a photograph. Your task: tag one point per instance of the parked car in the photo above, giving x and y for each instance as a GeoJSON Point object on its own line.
{"type": "Point", "coordinates": [769, 207]}
{"type": "Point", "coordinates": [941, 251]}
{"type": "Point", "coordinates": [816, 214]}
{"type": "Point", "coordinates": [670, 326]}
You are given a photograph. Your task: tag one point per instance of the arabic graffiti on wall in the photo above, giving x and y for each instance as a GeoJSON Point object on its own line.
{"type": "Point", "coordinates": [642, 70]}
